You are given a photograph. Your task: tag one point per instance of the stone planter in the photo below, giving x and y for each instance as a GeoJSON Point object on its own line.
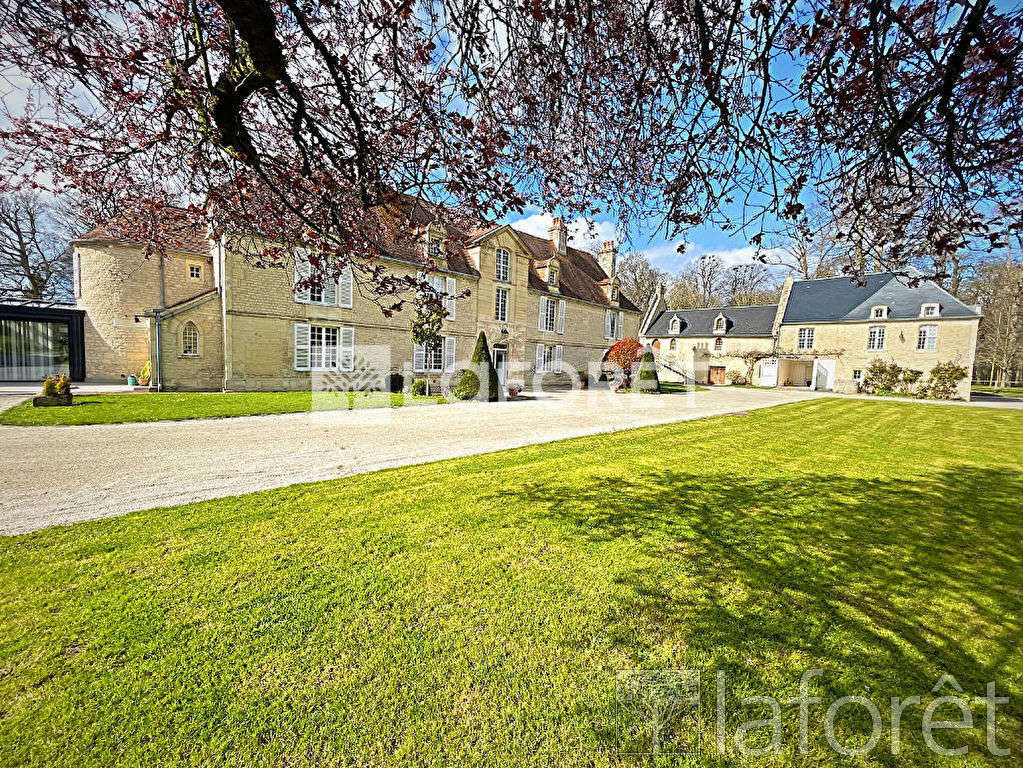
{"type": "Point", "coordinates": [48, 401]}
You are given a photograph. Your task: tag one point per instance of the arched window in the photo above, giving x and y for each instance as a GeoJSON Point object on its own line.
{"type": "Point", "coordinates": [190, 340]}
{"type": "Point", "coordinates": [719, 344]}
{"type": "Point", "coordinates": [676, 325]}
{"type": "Point", "coordinates": [671, 344]}
{"type": "Point", "coordinates": [719, 323]}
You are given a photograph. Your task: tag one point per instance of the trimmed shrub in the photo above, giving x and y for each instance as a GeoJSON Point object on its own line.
{"type": "Point", "coordinates": [882, 376]}
{"type": "Point", "coordinates": [419, 387]}
{"type": "Point", "coordinates": [63, 384]}
{"type": "Point", "coordinates": [646, 377]}
{"type": "Point", "coordinates": [468, 386]}
{"type": "Point", "coordinates": [944, 380]}
{"type": "Point", "coordinates": [396, 382]}
{"type": "Point", "coordinates": [49, 387]}
{"type": "Point", "coordinates": [736, 378]}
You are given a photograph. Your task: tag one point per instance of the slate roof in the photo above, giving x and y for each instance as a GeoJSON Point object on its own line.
{"type": "Point", "coordinates": [740, 321]}
{"type": "Point", "coordinates": [836, 299]}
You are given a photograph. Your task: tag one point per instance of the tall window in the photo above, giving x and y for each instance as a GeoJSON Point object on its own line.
{"type": "Point", "coordinates": [927, 337]}
{"type": "Point", "coordinates": [548, 358]}
{"type": "Point", "coordinates": [552, 276]}
{"type": "Point", "coordinates": [439, 356]}
{"type": "Point", "coordinates": [433, 250]}
{"type": "Point", "coordinates": [610, 324]}
{"type": "Point", "coordinates": [501, 305]}
{"type": "Point", "coordinates": [548, 314]}
{"type": "Point", "coordinates": [190, 340]}
{"type": "Point", "coordinates": [806, 338]}
{"type": "Point", "coordinates": [322, 347]}
{"type": "Point", "coordinates": [503, 265]}
{"type": "Point", "coordinates": [719, 324]}
{"type": "Point", "coordinates": [875, 339]}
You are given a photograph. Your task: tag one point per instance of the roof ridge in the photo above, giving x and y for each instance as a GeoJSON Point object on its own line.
{"type": "Point", "coordinates": [725, 306]}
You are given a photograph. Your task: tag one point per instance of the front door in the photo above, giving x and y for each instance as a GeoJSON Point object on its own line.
{"type": "Point", "coordinates": [501, 363]}
{"type": "Point", "coordinates": [717, 374]}
{"type": "Point", "coordinates": [769, 372]}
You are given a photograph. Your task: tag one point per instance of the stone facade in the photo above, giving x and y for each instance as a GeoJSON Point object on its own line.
{"type": "Point", "coordinates": [246, 315]}
{"type": "Point", "coordinates": [118, 287]}
{"type": "Point", "coordinates": [835, 354]}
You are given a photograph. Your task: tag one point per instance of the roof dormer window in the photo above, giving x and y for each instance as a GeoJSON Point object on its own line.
{"type": "Point", "coordinates": [676, 325]}
{"type": "Point", "coordinates": [879, 312]}
{"type": "Point", "coordinates": [720, 324]}
{"type": "Point", "coordinates": [930, 310]}
{"type": "Point", "coordinates": [614, 293]}
{"type": "Point", "coordinates": [552, 276]}
{"type": "Point", "coordinates": [433, 248]}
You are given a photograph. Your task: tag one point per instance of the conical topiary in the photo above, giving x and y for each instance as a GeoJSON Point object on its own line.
{"type": "Point", "coordinates": [646, 379]}
{"type": "Point", "coordinates": [468, 386]}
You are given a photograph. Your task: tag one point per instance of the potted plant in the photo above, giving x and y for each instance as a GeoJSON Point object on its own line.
{"type": "Point", "coordinates": [56, 391]}
{"type": "Point", "coordinates": [514, 388]}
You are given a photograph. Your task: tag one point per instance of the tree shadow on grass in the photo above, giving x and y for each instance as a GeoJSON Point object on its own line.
{"type": "Point", "coordinates": [885, 583]}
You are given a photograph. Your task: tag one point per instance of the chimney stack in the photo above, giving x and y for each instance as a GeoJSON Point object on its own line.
{"type": "Point", "coordinates": [608, 257]}
{"type": "Point", "coordinates": [559, 236]}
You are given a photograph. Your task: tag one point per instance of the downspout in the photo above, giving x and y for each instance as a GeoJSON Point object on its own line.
{"type": "Point", "coordinates": [159, 361]}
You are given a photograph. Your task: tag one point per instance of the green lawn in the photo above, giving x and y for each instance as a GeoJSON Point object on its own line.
{"type": "Point", "coordinates": [175, 406]}
{"type": "Point", "coordinates": [672, 387]}
{"type": "Point", "coordinates": [476, 611]}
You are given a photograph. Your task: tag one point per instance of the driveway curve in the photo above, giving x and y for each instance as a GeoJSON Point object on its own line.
{"type": "Point", "coordinates": [58, 475]}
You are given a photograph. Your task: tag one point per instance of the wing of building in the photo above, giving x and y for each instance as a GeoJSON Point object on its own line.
{"type": "Point", "coordinates": [823, 334]}
{"type": "Point", "coordinates": [208, 318]}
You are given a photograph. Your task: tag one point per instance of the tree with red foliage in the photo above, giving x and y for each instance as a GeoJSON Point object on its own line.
{"type": "Point", "coordinates": [322, 124]}
{"type": "Point", "coordinates": [620, 361]}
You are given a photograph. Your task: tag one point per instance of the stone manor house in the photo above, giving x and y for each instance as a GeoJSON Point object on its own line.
{"type": "Point", "coordinates": [208, 319]}
{"type": "Point", "coordinates": [822, 334]}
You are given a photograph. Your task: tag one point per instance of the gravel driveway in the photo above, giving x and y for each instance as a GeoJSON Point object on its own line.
{"type": "Point", "coordinates": [55, 475]}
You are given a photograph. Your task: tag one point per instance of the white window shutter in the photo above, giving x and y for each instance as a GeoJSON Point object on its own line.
{"type": "Point", "coordinates": [346, 288]}
{"type": "Point", "coordinates": [450, 288]}
{"type": "Point", "coordinates": [301, 346]}
{"type": "Point", "coordinates": [419, 358]}
{"type": "Point", "coordinates": [449, 354]}
{"type": "Point", "coordinates": [561, 315]}
{"type": "Point", "coordinates": [558, 352]}
{"type": "Point", "coordinates": [607, 324]}
{"type": "Point", "coordinates": [539, 358]}
{"type": "Point", "coordinates": [621, 323]}
{"type": "Point", "coordinates": [347, 362]}
{"type": "Point", "coordinates": [540, 316]}
{"type": "Point", "coordinates": [302, 270]}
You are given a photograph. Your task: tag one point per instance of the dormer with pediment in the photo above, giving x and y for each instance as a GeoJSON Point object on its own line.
{"type": "Point", "coordinates": [434, 240]}
{"type": "Point", "coordinates": [613, 290]}
{"type": "Point", "coordinates": [720, 324]}
{"type": "Point", "coordinates": [551, 274]}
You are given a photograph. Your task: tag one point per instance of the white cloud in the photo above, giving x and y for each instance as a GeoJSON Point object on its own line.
{"type": "Point", "coordinates": [585, 234]}
{"type": "Point", "coordinates": [666, 256]}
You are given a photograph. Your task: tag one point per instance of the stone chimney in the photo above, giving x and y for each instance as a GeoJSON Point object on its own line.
{"type": "Point", "coordinates": [608, 257]}
{"type": "Point", "coordinates": [558, 234]}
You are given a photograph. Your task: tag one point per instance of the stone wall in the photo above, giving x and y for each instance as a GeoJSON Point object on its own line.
{"type": "Point", "coordinates": [204, 371]}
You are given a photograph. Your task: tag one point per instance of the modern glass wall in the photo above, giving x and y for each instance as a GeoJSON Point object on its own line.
{"type": "Point", "coordinates": [32, 349]}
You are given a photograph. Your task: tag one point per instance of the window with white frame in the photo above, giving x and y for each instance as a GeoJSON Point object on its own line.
{"type": "Point", "coordinates": [552, 276]}
{"type": "Point", "coordinates": [875, 337]}
{"type": "Point", "coordinates": [194, 271]}
{"type": "Point", "coordinates": [806, 338]}
{"type": "Point", "coordinates": [719, 323]}
{"type": "Point", "coordinates": [929, 310]}
{"type": "Point", "coordinates": [879, 312]}
{"type": "Point", "coordinates": [548, 314]}
{"type": "Point", "coordinates": [435, 357]}
{"type": "Point", "coordinates": [190, 340]}
{"type": "Point", "coordinates": [927, 338]}
{"type": "Point", "coordinates": [324, 347]}
{"type": "Point", "coordinates": [501, 305]}
{"type": "Point", "coordinates": [503, 268]}
{"type": "Point", "coordinates": [548, 358]}
{"type": "Point", "coordinates": [612, 324]}
{"type": "Point", "coordinates": [676, 325]}
{"type": "Point", "coordinates": [322, 292]}
{"type": "Point", "coordinates": [719, 344]}
{"type": "Point", "coordinates": [858, 374]}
